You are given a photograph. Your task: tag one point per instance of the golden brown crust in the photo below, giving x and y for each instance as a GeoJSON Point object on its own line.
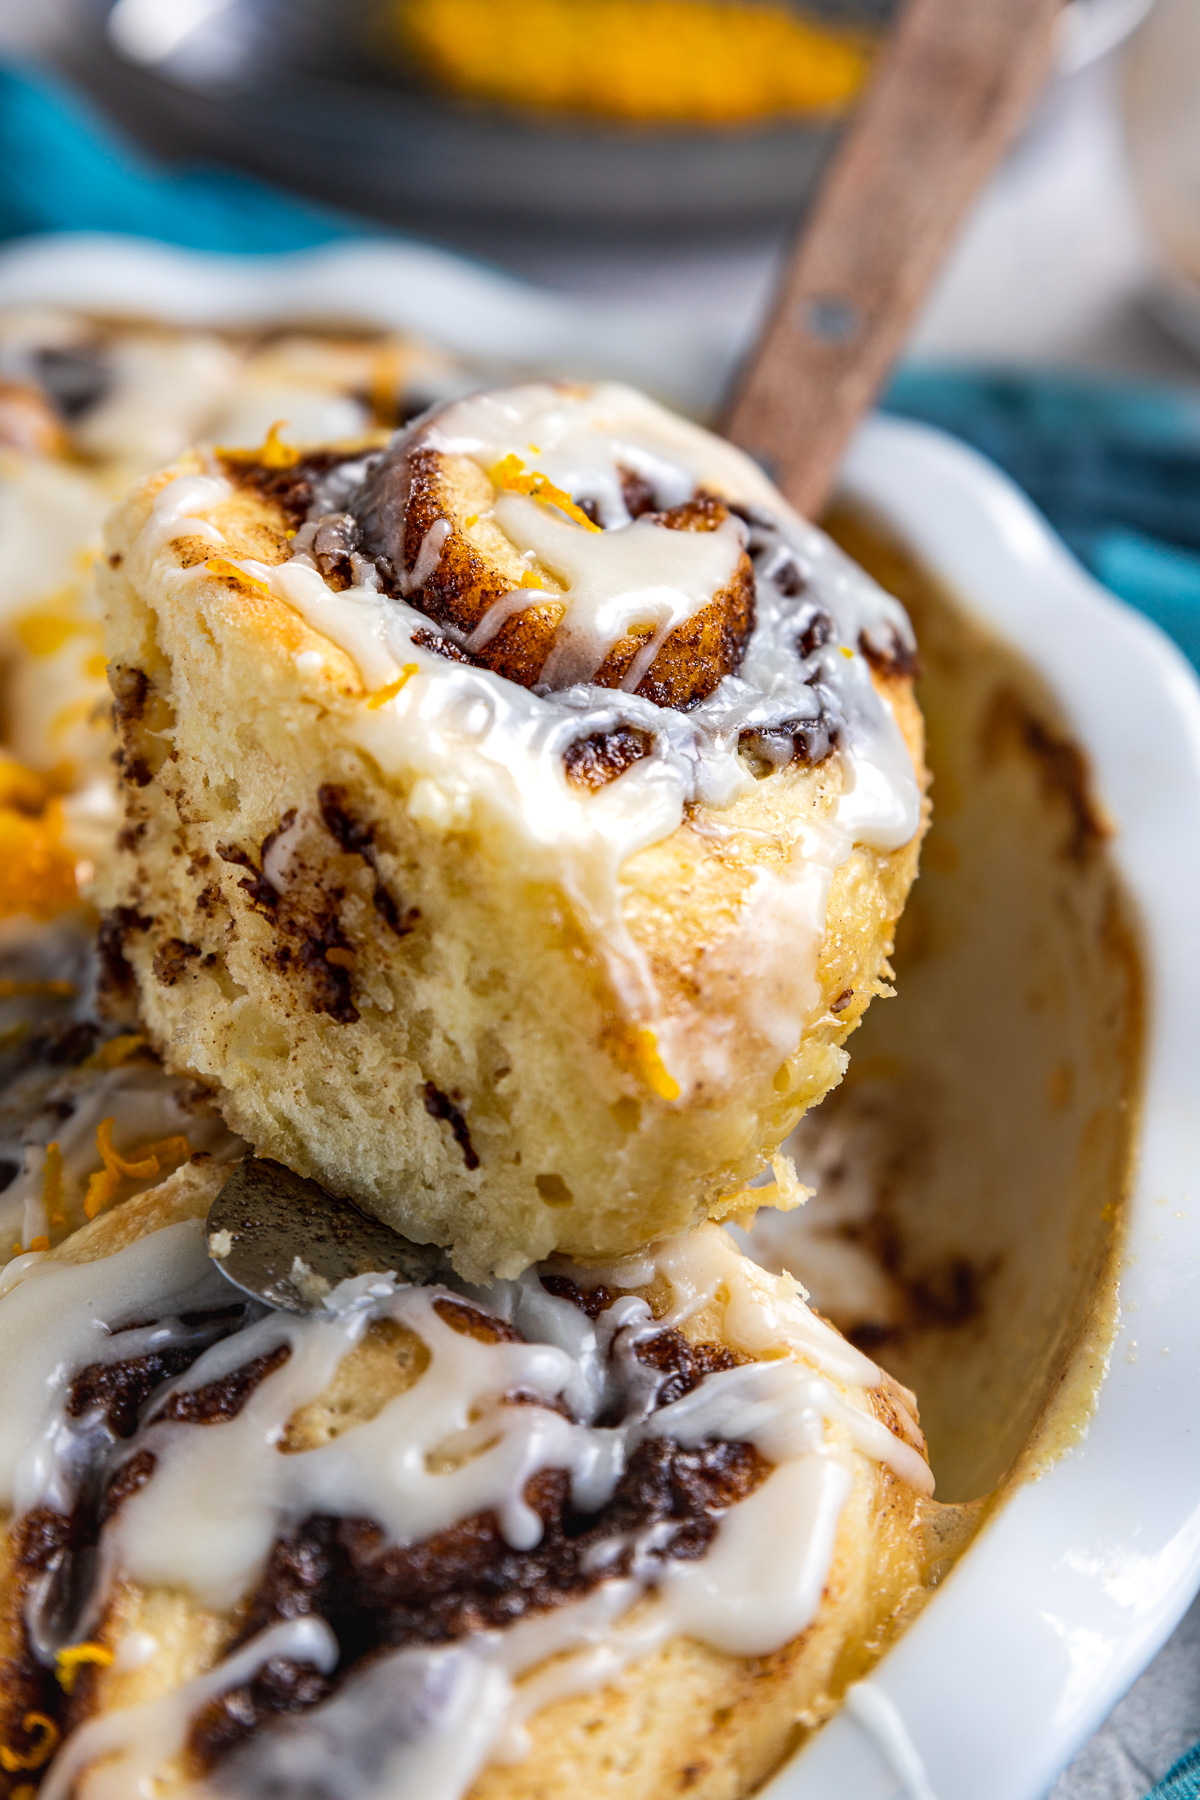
{"type": "Point", "coordinates": [472, 574]}
{"type": "Point", "coordinates": [701, 652]}
{"type": "Point", "coordinates": [478, 566]}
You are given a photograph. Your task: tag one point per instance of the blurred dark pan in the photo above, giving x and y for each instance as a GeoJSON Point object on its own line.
{"type": "Point", "coordinates": [300, 92]}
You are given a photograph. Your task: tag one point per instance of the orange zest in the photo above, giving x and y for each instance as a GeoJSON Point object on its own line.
{"type": "Point", "coordinates": [141, 1165]}
{"type": "Point", "coordinates": [655, 1073]}
{"type": "Point", "coordinates": [69, 1662]}
{"type": "Point", "coordinates": [37, 871]}
{"type": "Point", "coordinates": [45, 633]}
{"type": "Point", "coordinates": [11, 989]}
{"type": "Point", "coordinates": [117, 1051]}
{"type": "Point", "coordinates": [45, 628]}
{"type": "Point", "coordinates": [272, 453]}
{"type": "Point", "coordinates": [384, 694]}
{"type": "Point", "coordinates": [231, 571]}
{"type": "Point", "coordinates": [45, 1735]}
{"type": "Point", "coordinates": [38, 1245]}
{"type": "Point", "coordinates": [26, 790]}
{"type": "Point", "coordinates": [652, 62]}
{"type": "Point", "coordinates": [510, 474]}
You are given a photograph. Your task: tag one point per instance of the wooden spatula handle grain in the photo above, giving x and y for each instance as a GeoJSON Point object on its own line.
{"type": "Point", "coordinates": [952, 85]}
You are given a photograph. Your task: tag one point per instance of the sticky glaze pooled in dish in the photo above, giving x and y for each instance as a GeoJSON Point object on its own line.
{"type": "Point", "coordinates": [407, 1548]}
{"type": "Point", "coordinates": [517, 812]}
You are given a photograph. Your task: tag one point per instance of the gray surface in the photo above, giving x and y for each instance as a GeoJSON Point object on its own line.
{"type": "Point", "coordinates": [1154, 1724]}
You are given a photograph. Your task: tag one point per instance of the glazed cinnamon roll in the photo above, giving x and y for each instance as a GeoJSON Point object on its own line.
{"type": "Point", "coordinates": [413, 1546]}
{"type": "Point", "coordinates": [517, 812]}
{"type": "Point", "coordinates": [86, 407]}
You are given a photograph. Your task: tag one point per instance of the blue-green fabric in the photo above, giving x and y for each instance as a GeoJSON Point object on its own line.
{"type": "Point", "coordinates": [64, 168]}
{"type": "Point", "coordinates": [1114, 465]}
{"type": "Point", "coordinates": [1183, 1781]}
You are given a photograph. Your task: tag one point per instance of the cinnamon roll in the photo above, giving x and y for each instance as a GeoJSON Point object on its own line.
{"type": "Point", "coordinates": [86, 407]}
{"type": "Point", "coordinates": [633, 1527]}
{"type": "Point", "coordinates": [104, 401]}
{"type": "Point", "coordinates": [517, 812]}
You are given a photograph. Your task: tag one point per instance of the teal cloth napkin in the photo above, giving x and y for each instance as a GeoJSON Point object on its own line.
{"type": "Point", "coordinates": [1183, 1781]}
{"type": "Point", "coordinates": [63, 167]}
{"type": "Point", "coordinates": [1114, 466]}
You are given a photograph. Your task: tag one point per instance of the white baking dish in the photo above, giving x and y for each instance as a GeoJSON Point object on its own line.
{"type": "Point", "coordinates": [1075, 1582]}
{"type": "Point", "coordinates": [1072, 1587]}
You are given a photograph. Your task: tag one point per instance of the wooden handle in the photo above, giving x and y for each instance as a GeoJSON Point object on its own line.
{"type": "Point", "coordinates": [953, 84]}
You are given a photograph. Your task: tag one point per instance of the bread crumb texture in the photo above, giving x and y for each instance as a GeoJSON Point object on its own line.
{"type": "Point", "coordinates": [410, 1012]}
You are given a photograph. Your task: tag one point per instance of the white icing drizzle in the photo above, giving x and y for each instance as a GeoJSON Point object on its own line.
{"type": "Point", "coordinates": [55, 1319]}
{"type": "Point", "coordinates": [424, 1722]}
{"type": "Point", "coordinates": [639, 574]}
{"type": "Point", "coordinates": [517, 600]}
{"type": "Point", "coordinates": [178, 511]}
{"type": "Point", "coordinates": [444, 1449]}
{"type": "Point", "coordinates": [761, 1311]}
{"type": "Point", "coordinates": [120, 1751]}
{"type": "Point", "coordinates": [475, 751]}
{"type": "Point", "coordinates": [432, 545]}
